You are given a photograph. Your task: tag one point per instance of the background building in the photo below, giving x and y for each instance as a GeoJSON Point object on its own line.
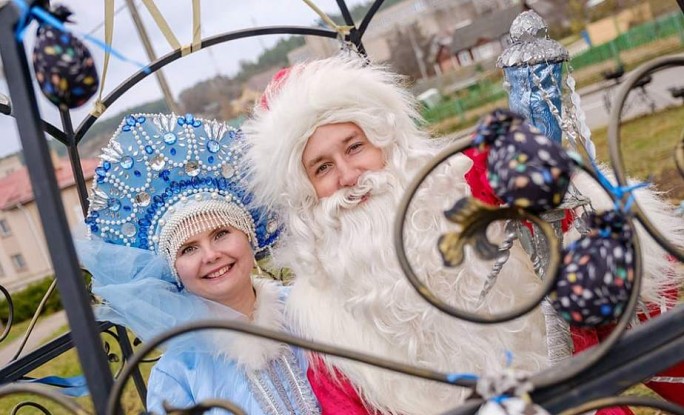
{"type": "Point", "coordinates": [24, 255]}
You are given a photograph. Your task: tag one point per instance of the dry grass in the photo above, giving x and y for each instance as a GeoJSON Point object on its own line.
{"type": "Point", "coordinates": [648, 144]}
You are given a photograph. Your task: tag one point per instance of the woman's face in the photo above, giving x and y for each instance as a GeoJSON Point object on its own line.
{"type": "Point", "coordinates": [216, 264]}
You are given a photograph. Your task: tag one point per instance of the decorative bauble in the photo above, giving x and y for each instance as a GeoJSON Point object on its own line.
{"type": "Point", "coordinates": [596, 277]}
{"type": "Point", "coordinates": [524, 167]}
{"type": "Point", "coordinates": [63, 65]}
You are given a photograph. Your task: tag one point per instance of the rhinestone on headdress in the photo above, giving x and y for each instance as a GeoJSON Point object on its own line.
{"type": "Point", "coordinates": [154, 161]}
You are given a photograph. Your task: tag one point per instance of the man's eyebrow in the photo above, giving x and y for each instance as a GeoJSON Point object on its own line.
{"type": "Point", "coordinates": [313, 162]}
{"type": "Point", "coordinates": [316, 160]}
{"type": "Point", "coordinates": [351, 136]}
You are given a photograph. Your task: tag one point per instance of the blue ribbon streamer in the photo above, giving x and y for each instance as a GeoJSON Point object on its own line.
{"type": "Point", "coordinates": [75, 386]}
{"type": "Point", "coordinates": [619, 192]}
{"type": "Point", "coordinates": [44, 17]}
{"type": "Point", "coordinates": [455, 377]}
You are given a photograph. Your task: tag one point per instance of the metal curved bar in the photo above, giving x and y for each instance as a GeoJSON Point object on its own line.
{"type": "Point", "coordinates": [55, 132]}
{"type": "Point", "coordinates": [113, 403]}
{"type": "Point", "coordinates": [39, 309]}
{"type": "Point", "coordinates": [564, 370]}
{"type": "Point", "coordinates": [176, 54]}
{"type": "Point", "coordinates": [43, 392]}
{"type": "Point", "coordinates": [639, 401]}
{"type": "Point", "coordinates": [577, 364]}
{"type": "Point", "coordinates": [138, 342]}
{"type": "Point", "coordinates": [679, 155]}
{"type": "Point", "coordinates": [10, 316]}
{"type": "Point", "coordinates": [6, 109]}
{"type": "Point", "coordinates": [505, 213]}
{"type": "Point", "coordinates": [204, 406]}
{"type": "Point", "coordinates": [614, 143]}
{"type": "Point", "coordinates": [369, 16]}
{"type": "Point", "coordinates": [112, 357]}
{"type": "Point", "coordinates": [5, 105]}
{"type": "Point", "coordinates": [38, 406]}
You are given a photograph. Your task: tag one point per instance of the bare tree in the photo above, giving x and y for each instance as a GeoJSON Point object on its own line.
{"type": "Point", "coordinates": [409, 52]}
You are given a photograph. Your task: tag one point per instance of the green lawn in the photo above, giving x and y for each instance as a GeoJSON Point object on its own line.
{"type": "Point", "coordinates": [68, 365]}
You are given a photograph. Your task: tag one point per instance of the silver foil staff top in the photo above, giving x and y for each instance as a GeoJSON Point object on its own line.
{"type": "Point", "coordinates": [531, 43]}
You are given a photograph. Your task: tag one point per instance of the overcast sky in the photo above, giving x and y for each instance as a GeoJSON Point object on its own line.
{"type": "Point", "coordinates": [218, 16]}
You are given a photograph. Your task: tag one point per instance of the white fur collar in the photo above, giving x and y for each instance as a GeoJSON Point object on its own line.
{"type": "Point", "coordinates": [254, 352]}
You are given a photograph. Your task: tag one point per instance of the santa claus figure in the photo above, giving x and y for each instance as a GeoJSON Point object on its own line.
{"type": "Point", "coordinates": [334, 144]}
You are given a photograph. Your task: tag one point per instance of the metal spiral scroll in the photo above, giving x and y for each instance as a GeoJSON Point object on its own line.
{"type": "Point", "coordinates": [471, 228]}
{"type": "Point", "coordinates": [475, 219]}
{"type": "Point", "coordinates": [44, 392]}
{"type": "Point", "coordinates": [616, 154]}
{"type": "Point", "coordinates": [10, 317]}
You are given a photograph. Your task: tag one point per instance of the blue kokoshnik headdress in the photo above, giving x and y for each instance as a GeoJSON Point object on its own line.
{"type": "Point", "coordinates": [163, 178]}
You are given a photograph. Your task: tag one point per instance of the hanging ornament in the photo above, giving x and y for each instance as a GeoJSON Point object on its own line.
{"type": "Point", "coordinates": [524, 167]}
{"type": "Point", "coordinates": [595, 280]}
{"type": "Point", "coordinates": [64, 67]}
{"type": "Point", "coordinates": [507, 393]}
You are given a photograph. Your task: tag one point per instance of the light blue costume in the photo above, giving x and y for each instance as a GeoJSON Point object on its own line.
{"type": "Point", "coordinates": [154, 167]}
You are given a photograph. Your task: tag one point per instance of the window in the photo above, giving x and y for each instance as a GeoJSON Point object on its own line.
{"type": "Point", "coordinates": [484, 51]}
{"type": "Point", "coordinates": [19, 262]}
{"type": "Point", "coordinates": [464, 58]}
{"type": "Point", "coordinates": [4, 228]}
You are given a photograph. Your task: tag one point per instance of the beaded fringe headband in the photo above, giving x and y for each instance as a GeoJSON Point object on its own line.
{"type": "Point", "coordinates": [164, 178]}
{"type": "Point", "coordinates": [199, 217]}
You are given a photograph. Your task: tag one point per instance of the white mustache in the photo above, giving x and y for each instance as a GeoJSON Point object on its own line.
{"type": "Point", "coordinates": [369, 184]}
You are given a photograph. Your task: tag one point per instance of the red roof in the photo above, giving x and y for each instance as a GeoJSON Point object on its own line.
{"type": "Point", "coordinates": [16, 187]}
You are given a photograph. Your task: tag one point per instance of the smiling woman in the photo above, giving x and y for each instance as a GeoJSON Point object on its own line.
{"type": "Point", "coordinates": [174, 239]}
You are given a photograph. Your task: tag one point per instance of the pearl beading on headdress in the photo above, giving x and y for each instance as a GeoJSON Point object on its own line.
{"type": "Point", "coordinates": [155, 164]}
{"type": "Point", "coordinates": [199, 217]}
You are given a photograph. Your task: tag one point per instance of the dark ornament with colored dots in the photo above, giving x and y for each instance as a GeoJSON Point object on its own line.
{"type": "Point", "coordinates": [64, 67]}
{"type": "Point", "coordinates": [524, 167]}
{"type": "Point", "coordinates": [596, 277]}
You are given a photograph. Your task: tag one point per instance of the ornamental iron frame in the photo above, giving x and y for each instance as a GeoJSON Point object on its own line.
{"type": "Point", "coordinates": [634, 357]}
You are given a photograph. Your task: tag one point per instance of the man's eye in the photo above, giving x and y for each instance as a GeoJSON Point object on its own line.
{"type": "Point", "coordinates": [354, 147]}
{"type": "Point", "coordinates": [322, 168]}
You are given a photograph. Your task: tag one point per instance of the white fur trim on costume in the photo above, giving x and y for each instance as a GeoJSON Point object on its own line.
{"type": "Point", "coordinates": [361, 300]}
{"type": "Point", "coordinates": [254, 352]}
{"type": "Point", "coordinates": [334, 90]}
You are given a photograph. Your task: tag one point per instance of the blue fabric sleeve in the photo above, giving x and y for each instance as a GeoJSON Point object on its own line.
{"type": "Point", "coordinates": [165, 386]}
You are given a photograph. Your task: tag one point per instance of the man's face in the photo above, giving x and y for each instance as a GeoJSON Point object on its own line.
{"type": "Point", "coordinates": [336, 155]}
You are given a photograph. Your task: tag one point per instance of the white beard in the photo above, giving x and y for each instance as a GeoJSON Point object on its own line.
{"type": "Point", "coordinates": [350, 291]}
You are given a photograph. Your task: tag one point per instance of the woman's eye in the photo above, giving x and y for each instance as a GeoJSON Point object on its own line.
{"type": "Point", "coordinates": [220, 234]}
{"type": "Point", "coordinates": [188, 249]}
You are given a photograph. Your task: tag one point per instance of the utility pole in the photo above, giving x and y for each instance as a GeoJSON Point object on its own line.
{"type": "Point", "coordinates": [163, 85]}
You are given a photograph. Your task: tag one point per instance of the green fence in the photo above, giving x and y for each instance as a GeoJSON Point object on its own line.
{"type": "Point", "coordinates": [664, 27]}
{"type": "Point", "coordinates": [474, 97]}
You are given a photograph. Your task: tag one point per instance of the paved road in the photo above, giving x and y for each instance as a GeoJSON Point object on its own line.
{"type": "Point", "coordinates": [41, 333]}
{"type": "Point", "coordinates": [657, 91]}
{"type": "Point", "coordinates": [594, 96]}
